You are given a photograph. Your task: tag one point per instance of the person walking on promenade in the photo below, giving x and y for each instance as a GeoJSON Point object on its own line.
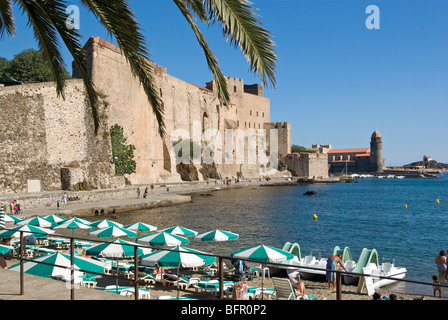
{"type": "Point", "coordinates": [64, 200]}
{"type": "Point", "coordinates": [145, 194]}
{"type": "Point", "coordinates": [333, 263]}
{"type": "Point", "coordinates": [138, 193]}
{"type": "Point", "coordinates": [441, 263]}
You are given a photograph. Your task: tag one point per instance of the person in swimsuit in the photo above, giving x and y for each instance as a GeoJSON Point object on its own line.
{"type": "Point", "coordinates": [333, 263]}
{"type": "Point", "coordinates": [441, 262]}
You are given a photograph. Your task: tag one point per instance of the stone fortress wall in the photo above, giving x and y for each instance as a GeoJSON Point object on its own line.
{"type": "Point", "coordinates": [185, 105]}
{"type": "Point", "coordinates": [48, 143]}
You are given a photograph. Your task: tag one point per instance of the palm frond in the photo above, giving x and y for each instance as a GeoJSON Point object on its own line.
{"type": "Point", "coordinates": [221, 82]}
{"type": "Point", "coordinates": [58, 17]}
{"type": "Point", "coordinates": [197, 7]}
{"type": "Point", "coordinates": [117, 17]}
{"type": "Point", "coordinates": [46, 36]}
{"type": "Point", "coordinates": [242, 27]}
{"type": "Point", "coordinates": [6, 19]}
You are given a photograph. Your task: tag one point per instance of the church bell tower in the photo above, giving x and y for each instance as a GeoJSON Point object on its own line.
{"type": "Point", "coordinates": [376, 153]}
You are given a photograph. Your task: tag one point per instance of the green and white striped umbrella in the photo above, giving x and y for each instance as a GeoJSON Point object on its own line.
{"type": "Point", "coordinates": [2, 217]}
{"type": "Point", "coordinates": [72, 225]}
{"type": "Point", "coordinates": [140, 227]}
{"type": "Point", "coordinates": [115, 249]}
{"type": "Point", "coordinates": [111, 232]}
{"type": "Point", "coordinates": [61, 260]}
{"type": "Point", "coordinates": [163, 239]}
{"type": "Point", "coordinates": [105, 223]}
{"type": "Point", "coordinates": [88, 222]}
{"type": "Point", "coordinates": [180, 257]}
{"type": "Point", "coordinates": [263, 253]}
{"type": "Point", "coordinates": [5, 249]}
{"type": "Point", "coordinates": [37, 222]}
{"type": "Point", "coordinates": [54, 218]}
{"type": "Point", "coordinates": [216, 235]}
{"type": "Point", "coordinates": [11, 218]}
{"type": "Point", "coordinates": [181, 231]}
{"type": "Point", "coordinates": [27, 230]}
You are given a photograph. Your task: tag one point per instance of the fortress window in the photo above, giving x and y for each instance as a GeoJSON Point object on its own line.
{"type": "Point", "coordinates": [234, 88]}
{"type": "Point", "coordinates": [259, 127]}
{"type": "Point", "coordinates": [249, 124]}
{"type": "Point", "coordinates": [238, 123]}
{"type": "Point", "coordinates": [257, 113]}
{"type": "Point", "coordinates": [245, 124]}
{"type": "Point", "coordinates": [161, 92]}
{"type": "Point", "coordinates": [263, 114]}
{"type": "Point", "coordinates": [250, 112]}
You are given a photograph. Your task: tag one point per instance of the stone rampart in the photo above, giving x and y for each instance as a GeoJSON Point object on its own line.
{"type": "Point", "coordinates": [42, 133]}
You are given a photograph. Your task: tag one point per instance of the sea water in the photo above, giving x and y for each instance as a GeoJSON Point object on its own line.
{"type": "Point", "coordinates": [369, 213]}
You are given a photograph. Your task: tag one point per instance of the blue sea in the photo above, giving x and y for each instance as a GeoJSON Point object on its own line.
{"type": "Point", "coordinates": [368, 213]}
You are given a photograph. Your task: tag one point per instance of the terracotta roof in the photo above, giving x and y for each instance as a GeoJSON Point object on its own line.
{"type": "Point", "coordinates": [363, 155]}
{"type": "Point", "coordinates": [357, 151]}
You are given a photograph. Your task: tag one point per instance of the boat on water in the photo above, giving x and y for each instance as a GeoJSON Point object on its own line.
{"type": "Point", "coordinates": [368, 264]}
{"type": "Point", "coordinates": [311, 267]}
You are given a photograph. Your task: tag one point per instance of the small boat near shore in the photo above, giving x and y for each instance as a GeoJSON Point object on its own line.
{"type": "Point", "coordinates": [311, 267]}
{"type": "Point", "coordinates": [368, 264]}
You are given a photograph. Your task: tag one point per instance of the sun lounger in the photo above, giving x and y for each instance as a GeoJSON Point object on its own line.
{"type": "Point", "coordinates": [283, 289]}
{"type": "Point", "coordinates": [180, 281]}
{"type": "Point", "coordinates": [212, 286]}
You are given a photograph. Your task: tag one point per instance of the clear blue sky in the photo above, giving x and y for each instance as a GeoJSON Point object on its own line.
{"type": "Point", "coordinates": [337, 81]}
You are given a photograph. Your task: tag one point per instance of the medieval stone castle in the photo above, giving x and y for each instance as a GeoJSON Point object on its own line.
{"type": "Point", "coordinates": [48, 143]}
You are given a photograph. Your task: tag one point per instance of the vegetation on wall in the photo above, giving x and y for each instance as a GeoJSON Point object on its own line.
{"type": "Point", "coordinates": [122, 153]}
{"type": "Point", "coordinates": [297, 149]}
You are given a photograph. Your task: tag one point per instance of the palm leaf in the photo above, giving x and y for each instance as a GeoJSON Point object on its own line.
{"type": "Point", "coordinates": [117, 17]}
{"type": "Point", "coordinates": [241, 26]}
{"type": "Point", "coordinates": [58, 17]}
{"type": "Point", "coordinates": [221, 83]}
{"type": "Point", "coordinates": [6, 18]}
{"type": "Point", "coordinates": [46, 36]}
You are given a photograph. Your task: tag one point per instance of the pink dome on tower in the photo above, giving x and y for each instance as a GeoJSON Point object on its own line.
{"type": "Point", "coordinates": [376, 134]}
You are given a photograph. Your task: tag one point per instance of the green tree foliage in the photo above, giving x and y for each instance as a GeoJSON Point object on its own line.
{"type": "Point", "coordinates": [238, 19]}
{"type": "Point", "coordinates": [28, 66]}
{"type": "Point", "coordinates": [4, 67]}
{"type": "Point", "coordinates": [297, 149]}
{"type": "Point", "coordinates": [122, 153]}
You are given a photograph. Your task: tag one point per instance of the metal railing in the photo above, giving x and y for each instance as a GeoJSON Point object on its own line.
{"type": "Point", "coordinates": [220, 259]}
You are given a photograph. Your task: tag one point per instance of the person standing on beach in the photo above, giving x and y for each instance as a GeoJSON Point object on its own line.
{"type": "Point", "coordinates": [64, 200]}
{"type": "Point", "coordinates": [441, 262]}
{"type": "Point", "coordinates": [333, 263]}
{"type": "Point", "coordinates": [138, 193]}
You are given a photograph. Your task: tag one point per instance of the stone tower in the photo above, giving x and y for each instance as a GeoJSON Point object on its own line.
{"type": "Point", "coordinates": [376, 152]}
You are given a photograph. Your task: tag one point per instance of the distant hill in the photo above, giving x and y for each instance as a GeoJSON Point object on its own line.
{"type": "Point", "coordinates": [432, 164]}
